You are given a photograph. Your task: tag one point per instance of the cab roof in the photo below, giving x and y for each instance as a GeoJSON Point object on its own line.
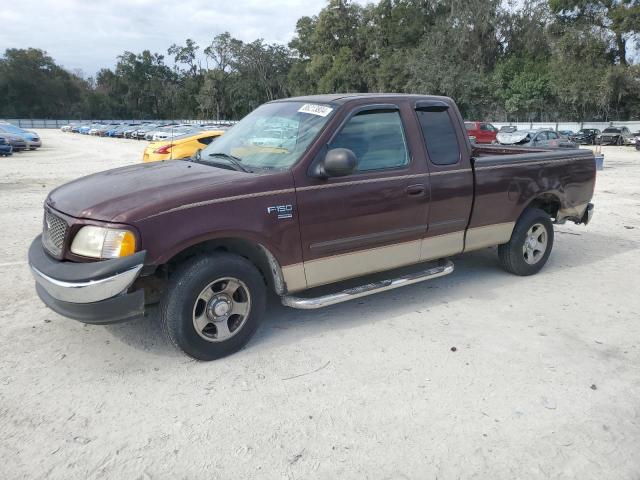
{"type": "Point", "coordinates": [342, 98]}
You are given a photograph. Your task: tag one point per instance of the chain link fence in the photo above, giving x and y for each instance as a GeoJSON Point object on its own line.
{"type": "Point", "coordinates": [48, 123]}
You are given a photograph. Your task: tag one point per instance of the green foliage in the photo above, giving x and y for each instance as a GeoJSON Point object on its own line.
{"type": "Point", "coordinates": [32, 84]}
{"type": "Point", "coordinates": [520, 60]}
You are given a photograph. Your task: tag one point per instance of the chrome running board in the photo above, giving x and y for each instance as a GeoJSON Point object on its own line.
{"type": "Point", "coordinates": [445, 268]}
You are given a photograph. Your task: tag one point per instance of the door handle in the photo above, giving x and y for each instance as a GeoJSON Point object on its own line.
{"type": "Point", "coordinates": [416, 190]}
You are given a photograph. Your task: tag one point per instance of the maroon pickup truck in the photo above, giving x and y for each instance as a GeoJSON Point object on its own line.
{"type": "Point", "coordinates": [303, 192]}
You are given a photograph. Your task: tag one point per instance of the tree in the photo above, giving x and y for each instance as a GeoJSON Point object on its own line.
{"type": "Point", "coordinates": [32, 85]}
{"type": "Point", "coordinates": [521, 59]}
{"type": "Point", "coordinates": [619, 17]}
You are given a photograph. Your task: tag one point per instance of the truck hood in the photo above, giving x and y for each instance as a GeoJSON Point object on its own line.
{"type": "Point", "coordinates": [127, 194]}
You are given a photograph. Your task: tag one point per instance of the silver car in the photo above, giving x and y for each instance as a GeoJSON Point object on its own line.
{"type": "Point", "coordinates": [541, 137]}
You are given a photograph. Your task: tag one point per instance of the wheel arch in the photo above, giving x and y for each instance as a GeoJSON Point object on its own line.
{"type": "Point", "coordinates": [548, 202]}
{"type": "Point", "coordinates": [255, 252]}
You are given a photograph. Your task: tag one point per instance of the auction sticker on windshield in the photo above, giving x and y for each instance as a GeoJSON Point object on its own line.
{"type": "Point", "coordinates": [320, 110]}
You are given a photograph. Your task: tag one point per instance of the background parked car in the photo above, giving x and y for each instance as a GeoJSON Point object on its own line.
{"type": "Point", "coordinates": [32, 138]}
{"type": "Point", "coordinates": [5, 148]}
{"type": "Point", "coordinates": [545, 138]}
{"type": "Point", "coordinates": [585, 136]}
{"type": "Point", "coordinates": [139, 133]}
{"type": "Point", "coordinates": [566, 133]}
{"type": "Point", "coordinates": [184, 146]}
{"type": "Point", "coordinates": [483, 131]}
{"type": "Point", "coordinates": [18, 142]}
{"type": "Point", "coordinates": [615, 136]}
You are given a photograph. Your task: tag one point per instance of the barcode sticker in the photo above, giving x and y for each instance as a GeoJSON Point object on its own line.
{"type": "Point", "coordinates": [320, 110]}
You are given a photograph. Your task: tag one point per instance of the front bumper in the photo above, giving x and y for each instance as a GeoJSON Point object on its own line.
{"type": "Point", "coordinates": [94, 292]}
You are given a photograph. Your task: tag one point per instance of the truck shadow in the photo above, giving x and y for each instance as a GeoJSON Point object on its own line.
{"type": "Point", "coordinates": [477, 274]}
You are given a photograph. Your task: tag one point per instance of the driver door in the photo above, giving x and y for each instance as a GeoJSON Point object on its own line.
{"type": "Point", "coordinates": [373, 219]}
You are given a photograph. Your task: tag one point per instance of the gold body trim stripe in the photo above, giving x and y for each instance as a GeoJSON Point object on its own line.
{"type": "Point", "coordinates": [442, 245]}
{"type": "Point", "coordinates": [488, 235]}
{"type": "Point", "coordinates": [348, 265]}
{"type": "Point", "coordinates": [294, 277]}
{"type": "Point", "coordinates": [335, 268]}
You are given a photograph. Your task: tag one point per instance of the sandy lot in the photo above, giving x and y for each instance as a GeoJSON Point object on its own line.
{"type": "Point", "coordinates": [544, 382]}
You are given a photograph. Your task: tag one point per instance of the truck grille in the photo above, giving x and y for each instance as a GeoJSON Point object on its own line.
{"type": "Point", "coordinates": [54, 232]}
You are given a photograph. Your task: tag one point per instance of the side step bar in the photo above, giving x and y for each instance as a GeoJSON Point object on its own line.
{"type": "Point", "coordinates": [445, 268]}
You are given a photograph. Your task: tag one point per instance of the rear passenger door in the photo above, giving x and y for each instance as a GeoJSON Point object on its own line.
{"type": "Point", "coordinates": [450, 178]}
{"type": "Point", "coordinates": [375, 218]}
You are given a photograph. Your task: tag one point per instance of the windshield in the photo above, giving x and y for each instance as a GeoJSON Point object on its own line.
{"type": "Point", "coordinates": [273, 136]}
{"type": "Point", "coordinates": [611, 130]}
{"type": "Point", "coordinates": [7, 127]}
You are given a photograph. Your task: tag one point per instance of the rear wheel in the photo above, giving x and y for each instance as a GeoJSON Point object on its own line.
{"type": "Point", "coordinates": [530, 245]}
{"type": "Point", "coordinates": [213, 305]}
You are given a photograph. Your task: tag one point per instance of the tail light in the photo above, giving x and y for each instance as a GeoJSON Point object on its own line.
{"type": "Point", "coordinates": [164, 149]}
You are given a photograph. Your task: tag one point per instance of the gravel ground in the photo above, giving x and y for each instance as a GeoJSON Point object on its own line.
{"type": "Point", "coordinates": [544, 381]}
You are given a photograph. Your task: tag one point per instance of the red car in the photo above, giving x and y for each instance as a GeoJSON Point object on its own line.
{"type": "Point", "coordinates": [482, 131]}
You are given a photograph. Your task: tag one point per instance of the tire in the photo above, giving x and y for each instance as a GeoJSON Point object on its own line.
{"type": "Point", "coordinates": [619, 142]}
{"type": "Point", "coordinates": [515, 257]}
{"type": "Point", "coordinates": [197, 289]}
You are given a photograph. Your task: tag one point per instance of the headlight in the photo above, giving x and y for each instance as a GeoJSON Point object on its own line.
{"type": "Point", "coordinates": [101, 242]}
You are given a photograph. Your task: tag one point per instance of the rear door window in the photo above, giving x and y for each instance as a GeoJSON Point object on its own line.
{"type": "Point", "coordinates": [439, 136]}
{"type": "Point", "coordinates": [377, 139]}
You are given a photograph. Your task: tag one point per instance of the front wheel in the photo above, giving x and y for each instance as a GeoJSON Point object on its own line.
{"type": "Point", "coordinates": [213, 305]}
{"type": "Point", "coordinates": [530, 245]}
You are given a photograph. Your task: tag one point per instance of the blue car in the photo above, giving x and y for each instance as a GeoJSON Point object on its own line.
{"type": "Point", "coordinates": [32, 138]}
{"type": "Point", "coordinates": [5, 148]}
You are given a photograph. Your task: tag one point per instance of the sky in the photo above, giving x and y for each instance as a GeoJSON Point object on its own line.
{"type": "Point", "coordinates": [90, 34]}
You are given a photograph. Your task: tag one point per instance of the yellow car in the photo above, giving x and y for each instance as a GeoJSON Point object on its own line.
{"type": "Point", "coordinates": [179, 147]}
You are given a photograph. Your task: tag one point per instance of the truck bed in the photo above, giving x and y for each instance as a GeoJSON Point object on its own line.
{"type": "Point", "coordinates": [507, 178]}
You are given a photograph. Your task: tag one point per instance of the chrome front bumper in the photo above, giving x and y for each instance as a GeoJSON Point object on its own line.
{"type": "Point", "coordinates": [93, 292]}
{"type": "Point", "coordinates": [86, 291]}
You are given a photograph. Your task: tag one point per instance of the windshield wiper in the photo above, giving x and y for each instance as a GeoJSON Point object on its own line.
{"type": "Point", "coordinates": [235, 161]}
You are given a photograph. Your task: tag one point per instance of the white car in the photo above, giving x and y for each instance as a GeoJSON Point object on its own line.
{"type": "Point", "coordinates": [169, 133]}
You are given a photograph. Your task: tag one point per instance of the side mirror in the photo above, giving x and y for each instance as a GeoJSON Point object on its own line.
{"type": "Point", "coordinates": [338, 162]}
{"type": "Point", "coordinates": [198, 155]}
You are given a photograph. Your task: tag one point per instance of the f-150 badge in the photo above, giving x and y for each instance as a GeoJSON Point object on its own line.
{"type": "Point", "coordinates": [283, 211]}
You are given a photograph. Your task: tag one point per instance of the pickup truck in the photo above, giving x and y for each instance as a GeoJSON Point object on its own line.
{"type": "Point", "coordinates": [302, 193]}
